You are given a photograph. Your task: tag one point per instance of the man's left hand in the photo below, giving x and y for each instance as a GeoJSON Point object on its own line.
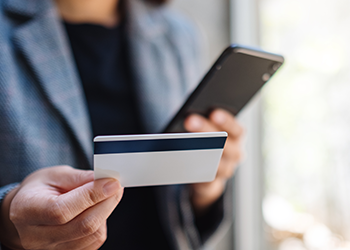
{"type": "Point", "coordinates": [205, 194]}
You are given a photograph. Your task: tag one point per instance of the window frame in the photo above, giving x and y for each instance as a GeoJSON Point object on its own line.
{"type": "Point", "coordinates": [249, 179]}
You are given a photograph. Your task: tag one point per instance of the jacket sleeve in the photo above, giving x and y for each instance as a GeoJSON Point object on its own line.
{"type": "Point", "coordinates": [206, 231]}
{"type": "Point", "coordinates": [5, 190]}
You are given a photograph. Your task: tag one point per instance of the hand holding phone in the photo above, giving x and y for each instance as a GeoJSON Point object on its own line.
{"type": "Point", "coordinates": [237, 75]}
{"type": "Point", "coordinates": [232, 81]}
{"type": "Point", "coordinates": [205, 194]}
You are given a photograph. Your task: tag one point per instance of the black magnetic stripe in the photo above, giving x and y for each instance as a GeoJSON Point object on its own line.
{"type": "Point", "coordinates": [139, 146]}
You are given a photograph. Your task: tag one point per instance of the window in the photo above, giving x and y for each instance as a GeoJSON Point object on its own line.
{"type": "Point", "coordinates": [306, 121]}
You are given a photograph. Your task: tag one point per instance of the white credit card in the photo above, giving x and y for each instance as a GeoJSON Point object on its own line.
{"type": "Point", "coordinates": [158, 159]}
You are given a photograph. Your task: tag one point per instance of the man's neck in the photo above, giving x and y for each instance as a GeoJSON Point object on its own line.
{"type": "Point", "coordinates": [103, 12]}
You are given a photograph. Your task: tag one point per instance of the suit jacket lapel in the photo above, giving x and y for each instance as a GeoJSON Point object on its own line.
{"type": "Point", "coordinates": [43, 43]}
{"type": "Point", "coordinates": [155, 68]}
{"type": "Point", "coordinates": [164, 65]}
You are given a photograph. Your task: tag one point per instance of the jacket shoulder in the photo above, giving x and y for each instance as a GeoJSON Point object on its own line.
{"type": "Point", "coordinates": [165, 20]}
{"type": "Point", "coordinates": [178, 23]}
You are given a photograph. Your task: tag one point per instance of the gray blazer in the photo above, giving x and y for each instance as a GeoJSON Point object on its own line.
{"type": "Point", "coordinates": [43, 116]}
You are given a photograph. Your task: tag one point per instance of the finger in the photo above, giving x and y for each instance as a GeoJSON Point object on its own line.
{"type": "Point", "coordinates": [62, 178]}
{"type": "Point", "coordinates": [68, 178]}
{"type": "Point", "coordinates": [197, 123]}
{"type": "Point", "coordinates": [36, 207]}
{"type": "Point", "coordinates": [226, 169]}
{"type": "Point", "coordinates": [208, 188]}
{"type": "Point", "coordinates": [232, 150]}
{"type": "Point", "coordinates": [93, 241]}
{"type": "Point", "coordinates": [205, 194]}
{"type": "Point", "coordinates": [225, 121]}
{"type": "Point", "coordinates": [94, 246]}
{"type": "Point", "coordinates": [84, 225]}
{"type": "Point", "coordinates": [90, 220]}
{"type": "Point", "coordinates": [69, 205]}
{"type": "Point", "coordinates": [231, 156]}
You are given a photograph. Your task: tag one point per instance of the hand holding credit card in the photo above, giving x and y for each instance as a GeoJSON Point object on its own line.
{"type": "Point", "coordinates": [158, 159]}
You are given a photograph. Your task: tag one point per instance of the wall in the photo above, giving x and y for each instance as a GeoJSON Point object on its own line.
{"type": "Point", "coordinates": [213, 19]}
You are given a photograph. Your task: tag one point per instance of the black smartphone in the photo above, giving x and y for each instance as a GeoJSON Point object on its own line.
{"type": "Point", "coordinates": [237, 75]}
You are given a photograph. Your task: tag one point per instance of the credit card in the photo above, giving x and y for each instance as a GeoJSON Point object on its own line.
{"type": "Point", "coordinates": [158, 159]}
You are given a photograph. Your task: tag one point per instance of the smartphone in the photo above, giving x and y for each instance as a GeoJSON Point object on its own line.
{"type": "Point", "coordinates": [233, 80]}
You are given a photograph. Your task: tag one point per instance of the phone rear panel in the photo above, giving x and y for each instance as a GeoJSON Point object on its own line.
{"type": "Point", "coordinates": [231, 83]}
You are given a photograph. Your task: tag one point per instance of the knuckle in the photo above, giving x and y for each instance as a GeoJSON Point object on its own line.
{"type": "Point", "coordinates": [97, 244]}
{"type": "Point", "coordinates": [89, 226]}
{"type": "Point", "coordinates": [81, 175]}
{"type": "Point", "coordinates": [65, 167]}
{"type": "Point", "coordinates": [236, 131]}
{"type": "Point", "coordinates": [27, 245]}
{"type": "Point", "coordinates": [58, 169]}
{"type": "Point", "coordinates": [31, 243]}
{"type": "Point", "coordinates": [233, 152]}
{"type": "Point", "coordinates": [57, 212]}
{"type": "Point", "coordinates": [230, 171]}
{"type": "Point", "coordinates": [238, 155]}
{"type": "Point", "coordinates": [227, 169]}
{"type": "Point", "coordinates": [221, 168]}
{"type": "Point", "coordinates": [17, 214]}
{"type": "Point", "coordinates": [101, 236]}
{"type": "Point", "coordinates": [14, 216]}
{"type": "Point", "coordinates": [119, 195]}
{"type": "Point", "coordinates": [100, 241]}
{"type": "Point", "coordinates": [93, 197]}
{"type": "Point", "coordinates": [241, 129]}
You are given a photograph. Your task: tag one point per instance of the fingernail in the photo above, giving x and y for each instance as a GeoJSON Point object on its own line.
{"type": "Point", "coordinates": [219, 117]}
{"type": "Point", "coordinates": [110, 188]}
{"type": "Point", "coordinates": [195, 123]}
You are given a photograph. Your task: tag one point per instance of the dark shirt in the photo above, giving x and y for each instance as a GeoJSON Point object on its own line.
{"type": "Point", "coordinates": [101, 56]}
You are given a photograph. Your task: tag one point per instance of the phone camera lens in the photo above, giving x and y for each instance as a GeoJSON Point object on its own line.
{"type": "Point", "coordinates": [276, 66]}
{"type": "Point", "coordinates": [218, 67]}
{"type": "Point", "coordinates": [266, 77]}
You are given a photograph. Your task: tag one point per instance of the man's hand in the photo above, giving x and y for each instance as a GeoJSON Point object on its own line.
{"type": "Point", "coordinates": [58, 208]}
{"type": "Point", "coordinates": [205, 194]}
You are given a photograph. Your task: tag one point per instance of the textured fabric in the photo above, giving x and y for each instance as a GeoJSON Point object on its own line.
{"type": "Point", "coordinates": [44, 119]}
{"type": "Point", "coordinates": [43, 114]}
{"type": "Point", "coordinates": [102, 60]}
{"type": "Point", "coordinates": [166, 55]}
{"type": "Point", "coordinates": [6, 189]}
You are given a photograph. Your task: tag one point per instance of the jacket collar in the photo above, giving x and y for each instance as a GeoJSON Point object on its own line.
{"type": "Point", "coordinates": [26, 8]}
{"type": "Point", "coordinates": [143, 20]}
{"type": "Point", "coordinates": [152, 60]}
{"type": "Point", "coordinates": [43, 43]}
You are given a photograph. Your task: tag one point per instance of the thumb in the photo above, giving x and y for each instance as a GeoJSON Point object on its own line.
{"type": "Point", "coordinates": [74, 202]}
{"type": "Point", "coordinates": [67, 178]}
{"type": "Point", "coordinates": [56, 195]}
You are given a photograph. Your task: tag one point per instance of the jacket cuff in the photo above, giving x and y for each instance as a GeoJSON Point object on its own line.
{"type": "Point", "coordinates": [207, 235]}
{"type": "Point", "coordinates": [3, 192]}
{"type": "Point", "coordinates": [208, 222]}
{"type": "Point", "coordinates": [6, 189]}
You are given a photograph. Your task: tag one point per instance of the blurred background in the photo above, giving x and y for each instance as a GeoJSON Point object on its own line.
{"type": "Point", "coordinates": [293, 190]}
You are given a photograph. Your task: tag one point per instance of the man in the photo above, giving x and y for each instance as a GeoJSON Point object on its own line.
{"type": "Point", "coordinates": [127, 66]}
